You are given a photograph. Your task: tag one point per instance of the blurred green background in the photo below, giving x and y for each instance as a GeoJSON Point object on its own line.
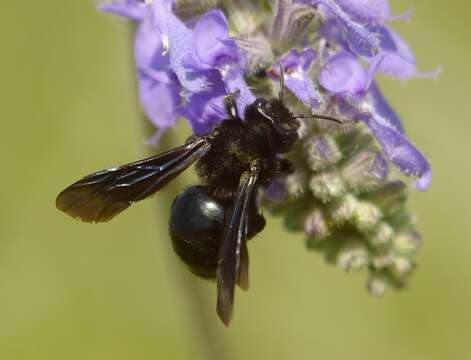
{"type": "Point", "coordinates": [117, 291]}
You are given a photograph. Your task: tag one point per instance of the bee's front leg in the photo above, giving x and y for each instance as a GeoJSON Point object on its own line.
{"type": "Point", "coordinates": [231, 106]}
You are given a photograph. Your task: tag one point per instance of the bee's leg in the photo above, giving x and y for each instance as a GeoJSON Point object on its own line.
{"type": "Point", "coordinates": [256, 221]}
{"type": "Point", "coordinates": [284, 167]}
{"type": "Point", "coordinates": [230, 105]}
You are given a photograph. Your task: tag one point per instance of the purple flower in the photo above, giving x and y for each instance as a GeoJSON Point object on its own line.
{"type": "Point", "coordinates": [344, 77]}
{"type": "Point", "coordinates": [159, 88]}
{"type": "Point", "coordinates": [202, 64]}
{"type": "Point", "coordinates": [177, 41]}
{"type": "Point", "coordinates": [369, 11]}
{"type": "Point", "coordinates": [384, 109]}
{"type": "Point", "coordinates": [216, 51]}
{"type": "Point", "coordinates": [135, 10]}
{"type": "Point", "coordinates": [373, 12]}
{"type": "Point", "coordinates": [399, 60]}
{"type": "Point", "coordinates": [296, 65]}
{"type": "Point", "coordinates": [359, 38]}
{"type": "Point", "coordinates": [398, 148]}
{"type": "Point", "coordinates": [360, 27]}
{"type": "Point", "coordinates": [206, 109]}
{"type": "Point", "coordinates": [196, 54]}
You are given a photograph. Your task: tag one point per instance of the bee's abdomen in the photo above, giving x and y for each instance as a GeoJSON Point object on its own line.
{"type": "Point", "coordinates": [196, 228]}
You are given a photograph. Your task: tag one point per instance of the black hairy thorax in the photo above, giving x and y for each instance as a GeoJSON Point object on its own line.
{"type": "Point", "coordinates": [235, 144]}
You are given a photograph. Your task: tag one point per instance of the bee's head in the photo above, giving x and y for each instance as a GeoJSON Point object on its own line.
{"type": "Point", "coordinates": [283, 125]}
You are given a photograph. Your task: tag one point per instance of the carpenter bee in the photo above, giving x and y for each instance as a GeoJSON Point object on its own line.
{"type": "Point", "coordinates": [210, 223]}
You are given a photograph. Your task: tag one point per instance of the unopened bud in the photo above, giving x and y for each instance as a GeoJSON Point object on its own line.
{"type": "Point", "coordinates": [382, 235]}
{"type": "Point", "coordinates": [352, 257]}
{"type": "Point", "coordinates": [344, 209]}
{"type": "Point", "coordinates": [406, 242]}
{"type": "Point", "coordinates": [327, 186]}
{"type": "Point", "coordinates": [382, 261]}
{"type": "Point", "coordinates": [366, 170]}
{"type": "Point", "coordinates": [366, 216]}
{"type": "Point", "coordinates": [295, 183]}
{"type": "Point", "coordinates": [377, 285]}
{"type": "Point", "coordinates": [402, 266]}
{"type": "Point", "coordinates": [315, 226]}
{"type": "Point", "coordinates": [322, 151]}
{"type": "Point", "coordinates": [391, 197]}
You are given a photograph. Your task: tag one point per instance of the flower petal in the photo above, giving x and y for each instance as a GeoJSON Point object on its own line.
{"type": "Point", "coordinates": [400, 150]}
{"type": "Point", "coordinates": [296, 65]}
{"type": "Point", "coordinates": [399, 59]}
{"type": "Point", "coordinates": [296, 60]}
{"type": "Point", "coordinates": [343, 74]}
{"type": "Point", "coordinates": [177, 39]}
{"type": "Point", "coordinates": [367, 11]}
{"type": "Point", "coordinates": [304, 89]}
{"type": "Point", "coordinates": [159, 101]}
{"type": "Point", "coordinates": [132, 9]}
{"type": "Point", "coordinates": [211, 38]}
{"type": "Point", "coordinates": [205, 109]}
{"type": "Point", "coordinates": [372, 69]}
{"type": "Point", "coordinates": [384, 109]}
{"type": "Point", "coordinates": [360, 39]}
{"type": "Point", "coordinates": [148, 48]}
{"type": "Point", "coordinates": [233, 78]}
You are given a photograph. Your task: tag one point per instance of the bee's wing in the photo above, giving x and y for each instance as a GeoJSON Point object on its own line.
{"type": "Point", "coordinates": [102, 195]}
{"type": "Point", "coordinates": [233, 254]}
{"type": "Point", "coordinates": [243, 273]}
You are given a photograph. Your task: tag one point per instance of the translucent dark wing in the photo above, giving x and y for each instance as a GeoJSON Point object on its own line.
{"type": "Point", "coordinates": [102, 195]}
{"type": "Point", "coordinates": [233, 254]}
{"type": "Point", "coordinates": [243, 274]}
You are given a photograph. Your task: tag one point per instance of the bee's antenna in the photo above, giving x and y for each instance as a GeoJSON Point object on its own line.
{"type": "Point", "coordinates": [282, 83]}
{"type": "Point", "coordinates": [317, 116]}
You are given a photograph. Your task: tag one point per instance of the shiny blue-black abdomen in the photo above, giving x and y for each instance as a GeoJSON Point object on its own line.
{"type": "Point", "coordinates": [196, 227]}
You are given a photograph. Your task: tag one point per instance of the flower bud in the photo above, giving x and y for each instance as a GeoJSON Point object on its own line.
{"type": "Point", "coordinates": [383, 260]}
{"type": "Point", "coordinates": [390, 198]}
{"type": "Point", "coordinates": [364, 171]}
{"type": "Point", "coordinates": [295, 183]}
{"type": "Point", "coordinates": [366, 216]}
{"type": "Point", "coordinates": [322, 151]}
{"type": "Point", "coordinates": [343, 210]}
{"type": "Point", "coordinates": [290, 23]}
{"type": "Point", "coordinates": [382, 235]}
{"type": "Point", "coordinates": [377, 285]}
{"type": "Point", "coordinates": [327, 186]}
{"type": "Point", "coordinates": [315, 226]}
{"type": "Point", "coordinates": [352, 257]}
{"type": "Point", "coordinates": [402, 267]}
{"type": "Point", "coordinates": [407, 242]}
